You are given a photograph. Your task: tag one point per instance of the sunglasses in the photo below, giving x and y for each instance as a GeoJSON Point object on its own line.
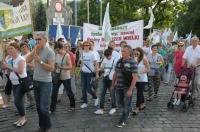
{"type": "Point", "coordinates": [182, 80]}
{"type": "Point", "coordinates": [86, 45]}
{"type": "Point", "coordinates": [38, 39]}
{"type": "Point", "coordinates": [180, 46]}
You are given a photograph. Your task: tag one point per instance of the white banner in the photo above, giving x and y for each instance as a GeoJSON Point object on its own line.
{"type": "Point", "coordinates": [131, 32]}
{"type": "Point", "coordinates": [20, 22]}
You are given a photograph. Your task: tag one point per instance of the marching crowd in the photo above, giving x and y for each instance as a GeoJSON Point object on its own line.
{"type": "Point", "coordinates": [53, 68]}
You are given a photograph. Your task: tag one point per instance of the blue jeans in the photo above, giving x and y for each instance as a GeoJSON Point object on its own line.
{"type": "Point", "coordinates": [18, 99]}
{"type": "Point", "coordinates": [86, 83]}
{"type": "Point", "coordinates": [54, 95]}
{"type": "Point", "coordinates": [168, 72]}
{"type": "Point", "coordinates": [42, 92]}
{"type": "Point", "coordinates": [107, 85]}
{"type": "Point", "coordinates": [125, 102]}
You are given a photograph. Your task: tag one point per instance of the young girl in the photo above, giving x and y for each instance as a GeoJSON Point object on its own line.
{"type": "Point", "coordinates": [180, 90]}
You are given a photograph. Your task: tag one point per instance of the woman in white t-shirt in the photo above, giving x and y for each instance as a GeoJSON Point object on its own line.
{"type": "Point", "coordinates": [143, 68]}
{"type": "Point", "coordinates": [108, 66]}
{"type": "Point", "coordinates": [88, 69]}
{"type": "Point", "coordinates": [18, 66]}
{"type": "Point", "coordinates": [29, 69]}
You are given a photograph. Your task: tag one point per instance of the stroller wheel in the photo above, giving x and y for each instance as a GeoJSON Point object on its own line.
{"type": "Point", "coordinates": [184, 108]}
{"type": "Point", "coordinates": [170, 105]}
{"type": "Point", "coordinates": [192, 103]}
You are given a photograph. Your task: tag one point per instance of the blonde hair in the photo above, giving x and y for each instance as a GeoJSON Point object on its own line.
{"type": "Point", "coordinates": [69, 45]}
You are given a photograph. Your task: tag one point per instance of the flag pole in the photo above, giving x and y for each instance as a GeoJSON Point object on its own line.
{"type": "Point", "coordinates": [31, 18]}
{"type": "Point", "coordinates": [88, 10]}
{"type": "Point", "coordinates": [100, 13]}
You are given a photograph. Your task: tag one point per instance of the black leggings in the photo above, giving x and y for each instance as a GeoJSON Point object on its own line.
{"type": "Point", "coordinates": [140, 96]}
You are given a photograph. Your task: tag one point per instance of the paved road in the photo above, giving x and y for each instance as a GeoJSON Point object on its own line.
{"type": "Point", "coordinates": [156, 117]}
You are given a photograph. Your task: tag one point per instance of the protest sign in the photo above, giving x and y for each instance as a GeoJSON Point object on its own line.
{"type": "Point", "coordinates": [131, 32]}
{"type": "Point", "coordinates": [19, 22]}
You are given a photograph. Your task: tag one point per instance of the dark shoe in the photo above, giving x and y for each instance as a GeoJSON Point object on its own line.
{"type": "Point", "coordinates": [71, 110]}
{"type": "Point", "coordinates": [142, 108]}
{"type": "Point", "coordinates": [121, 124]}
{"type": "Point", "coordinates": [59, 101]}
{"type": "Point", "coordinates": [47, 130]}
{"type": "Point", "coordinates": [155, 96]}
{"type": "Point", "coordinates": [52, 112]}
{"type": "Point", "coordinates": [30, 106]}
{"type": "Point", "coordinates": [109, 100]}
{"type": "Point", "coordinates": [40, 130]}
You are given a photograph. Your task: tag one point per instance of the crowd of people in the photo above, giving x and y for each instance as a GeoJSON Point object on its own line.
{"type": "Point", "coordinates": [53, 68]}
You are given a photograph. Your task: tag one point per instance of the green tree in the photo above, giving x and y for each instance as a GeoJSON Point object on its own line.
{"type": "Point", "coordinates": [123, 11]}
{"type": "Point", "coordinates": [40, 18]}
{"type": "Point", "coordinates": [189, 19]}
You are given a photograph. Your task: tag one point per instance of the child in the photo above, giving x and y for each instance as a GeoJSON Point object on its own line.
{"type": "Point", "coordinates": [180, 91]}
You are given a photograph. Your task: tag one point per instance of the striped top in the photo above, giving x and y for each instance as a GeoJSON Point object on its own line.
{"type": "Point", "coordinates": [131, 67]}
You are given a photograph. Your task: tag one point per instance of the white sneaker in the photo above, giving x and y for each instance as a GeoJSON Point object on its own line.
{"type": "Point", "coordinates": [5, 106]}
{"type": "Point", "coordinates": [178, 102]}
{"type": "Point", "coordinates": [83, 106]}
{"type": "Point", "coordinates": [96, 102]}
{"type": "Point", "coordinates": [174, 102]}
{"type": "Point", "coordinates": [99, 112]}
{"type": "Point", "coordinates": [112, 111]}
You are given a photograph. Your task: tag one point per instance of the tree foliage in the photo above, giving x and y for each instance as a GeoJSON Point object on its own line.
{"type": "Point", "coordinates": [189, 19]}
{"type": "Point", "coordinates": [40, 17]}
{"type": "Point", "coordinates": [123, 11]}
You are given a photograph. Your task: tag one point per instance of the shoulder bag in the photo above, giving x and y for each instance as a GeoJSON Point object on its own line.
{"type": "Point", "coordinates": [25, 83]}
{"type": "Point", "coordinates": [106, 78]}
{"type": "Point", "coordinates": [56, 76]}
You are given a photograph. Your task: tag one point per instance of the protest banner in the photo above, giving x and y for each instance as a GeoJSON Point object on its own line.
{"type": "Point", "coordinates": [18, 21]}
{"type": "Point", "coordinates": [131, 32]}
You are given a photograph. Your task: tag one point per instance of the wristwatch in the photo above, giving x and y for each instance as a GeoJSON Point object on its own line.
{"type": "Point", "coordinates": [41, 62]}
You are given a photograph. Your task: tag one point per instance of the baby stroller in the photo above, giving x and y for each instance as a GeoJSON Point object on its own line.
{"type": "Point", "coordinates": [186, 97]}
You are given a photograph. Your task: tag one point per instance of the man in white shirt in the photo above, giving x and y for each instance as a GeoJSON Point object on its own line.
{"type": "Point", "coordinates": [192, 53]}
{"type": "Point", "coordinates": [115, 54]}
{"type": "Point", "coordinates": [147, 48]}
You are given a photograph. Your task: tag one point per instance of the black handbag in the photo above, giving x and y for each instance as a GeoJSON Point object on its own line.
{"type": "Point", "coordinates": [106, 78]}
{"type": "Point", "coordinates": [25, 83]}
{"type": "Point", "coordinates": [56, 76]}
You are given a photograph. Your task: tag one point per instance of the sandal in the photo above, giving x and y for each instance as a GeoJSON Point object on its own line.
{"type": "Point", "coordinates": [135, 112]}
{"type": "Point", "coordinates": [149, 99]}
{"type": "Point", "coordinates": [142, 108]}
{"type": "Point", "coordinates": [71, 110]}
{"type": "Point", "coordinates": [21, 123]}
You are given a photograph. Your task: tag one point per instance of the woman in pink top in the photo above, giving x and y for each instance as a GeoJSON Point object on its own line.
{"type": "Point", "coordinates": [178, 55]}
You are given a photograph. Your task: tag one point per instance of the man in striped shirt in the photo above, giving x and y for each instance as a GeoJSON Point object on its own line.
{"type": "Point", "coordinates": [124, 80]}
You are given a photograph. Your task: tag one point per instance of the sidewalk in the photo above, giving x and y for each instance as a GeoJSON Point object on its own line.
{"type": "Point", "coordinates": [156, 117]}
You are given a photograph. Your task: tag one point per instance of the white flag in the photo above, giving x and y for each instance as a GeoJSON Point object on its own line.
{"type": "Point", "coordinates": [59, 33]}
{"type": "Point", "coordinates": [106, 29]}
{"type": "Point", "coordinates": [78, 37]}
{"type": "Point", "coordinates": [150, 24]}
{"type": "Point", "coordinates": [189, 37]}
{"type": "Point", "coordinates": [175, 39]}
